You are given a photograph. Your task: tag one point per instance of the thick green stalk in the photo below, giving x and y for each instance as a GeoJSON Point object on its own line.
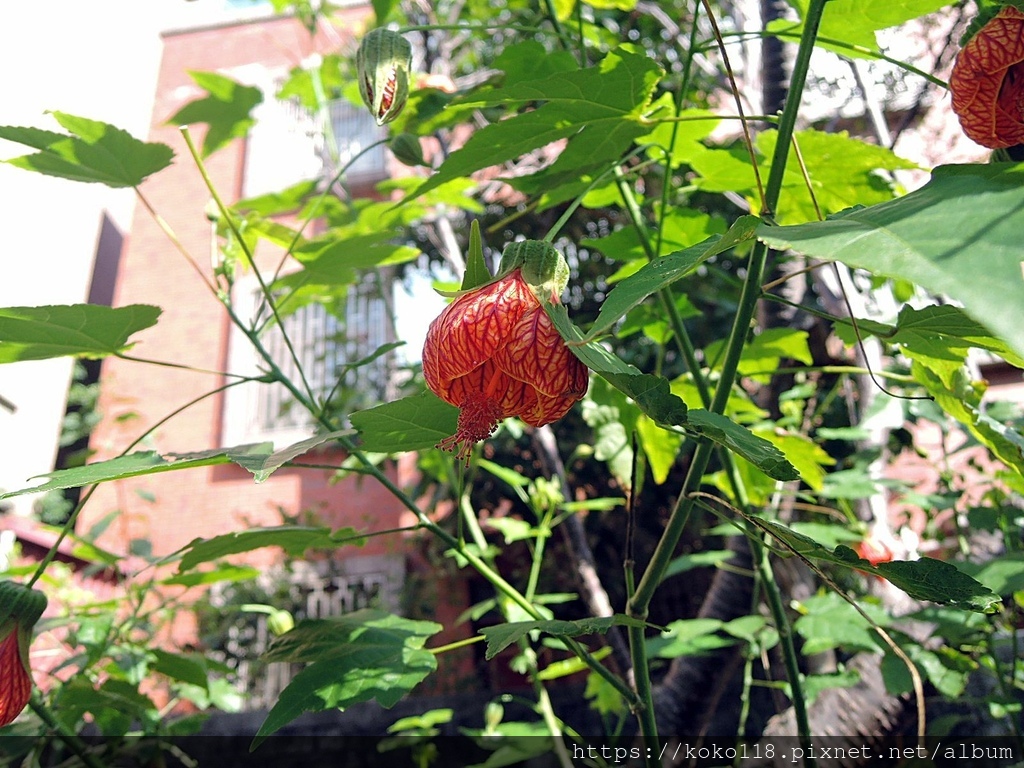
{"type": "Point", "coordinates": [65, 734]}
{"type": "Point", "coordinates": [639, 604]}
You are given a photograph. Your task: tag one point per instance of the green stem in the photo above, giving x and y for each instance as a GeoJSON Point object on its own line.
{"type": "Point", "coordinates": [645, 711]}
{"type": "Point", "coordinates": [543, 531]}
{"type": "Point", "coordinates": [639, 604]}
{"type": "Point", "coordinates": [62, 732]}
{"type": "Point", "coordinates": [457, 644]}
{"type": "Point", "coordinates": [73, 517]}
{"type": "Point", "coordinates": [197, 158]}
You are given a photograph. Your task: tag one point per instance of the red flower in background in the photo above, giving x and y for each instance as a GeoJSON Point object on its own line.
{"type": "Point", "coordinates": [987, 82]}
{"type": "Point", "coordinates": [495, 353]}
{"type": "Point", "coordinates": [15, 681]}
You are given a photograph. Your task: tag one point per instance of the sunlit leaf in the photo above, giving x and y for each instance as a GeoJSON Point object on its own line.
{"type": "Point", "coordinates": [601, 104]}
{"type": "Point", "coordinates": [664, 271]}
{"type": "Point", "coordinates": [263, 467]}
{"type": "Point", "coordinates": [957, 236]}
{"type": "Point", "coordinates": [740, 440]}
{"type": "Point", "coordinates": [843, 172]}
{"type": "Point", "coordinates": [295, 540]}
{"type": "Point", "coordinates": [924, 579]}
{"type": "Point", "coordinates": [651, 393]}
{"type": "Point", "coordinates": [78, 330]}
{"type": "Point", "coordinates": [226, 110]}
{"type": "Point", "coordinates": [139, 463]}
{"type": "Point", "coordinates": [856, 21]}
{"type": "Point", "coordinates": [502, 636]}
{"type": "Point", "coordinates": [413, 423]}
{"type": "Point", "coordinates": [361, 656]}
{"type": "Point", "coordinates": [94, 152]}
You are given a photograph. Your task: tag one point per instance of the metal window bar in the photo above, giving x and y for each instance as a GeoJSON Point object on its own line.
{"type": "Point", "coordinates": [324, 345]}
{"type": "Point", "coordinates": [317, 590]}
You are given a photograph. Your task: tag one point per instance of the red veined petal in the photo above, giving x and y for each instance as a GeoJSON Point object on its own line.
{"type": "Point", "coordinates": [987, 82]}
{"type": "Point", "coordinates": [15, 681]}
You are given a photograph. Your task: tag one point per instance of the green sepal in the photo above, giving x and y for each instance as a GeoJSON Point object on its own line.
{"type": "Point", "coordinates": [20, 607]}
{"type": "Point", "coordinates": [985, 14]}
{"type": "Point", "coordinates": [543, 268]}
{"type": "Point", "coordinates": [477, 273]}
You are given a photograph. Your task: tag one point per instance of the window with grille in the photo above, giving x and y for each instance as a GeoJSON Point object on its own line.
{"type": "Point", "coordinates": [286, 145]}
{"type": "Point", "coordinates": [331, 350]}
{"type": "Point", "coordinates": [307, 590]}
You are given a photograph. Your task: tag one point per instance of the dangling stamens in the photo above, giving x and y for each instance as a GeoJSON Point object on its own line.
{"type": "Point", "coordinates": [479, 415]}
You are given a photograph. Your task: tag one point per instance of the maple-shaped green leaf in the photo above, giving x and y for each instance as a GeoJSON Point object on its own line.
{"type": "Point", "coordinates": [295, 540]}
{"type": "Point", "coordinates": [94, 152]}
{"type": "Point", "coordinates": [502, 636]}
{"type": "Point", "coordinates": [651, 393]}
{"type": "Point", "coordinates": [843, 173]}
{"type": "Point", "coordinates": [263, 466]}
{"type": "Point", "coordinates": [924, 579]}
{"type": "Point", "coordinates": [310, 85]}
{"type": "Point", "coordinates": [226, 109]}
{"type": "Point", "coordinates": [666, 270]}
{"type": "Point", "coordinates": [741, 441]}
{"type": "Point", "coordinates": [599, 106]}
{"type": "Point", "coordinates": [477, 272]}
{"type": "Point", "coordinates": [959, 236]}
{"type": "Point", "coordinates": [855, 21]}
{"type": "Point", "coordinates": [940, 331]}
{"type": "Point", "coordinates": [413, 423]}
{"type": "Point", "coordinates": [361, 656]}
{"type": "Point", "coordinates": [78, 330]}
{"type": "Point", "coordinates": [761, 355]}
{"type": "Point", "coordinates": [140, 463]}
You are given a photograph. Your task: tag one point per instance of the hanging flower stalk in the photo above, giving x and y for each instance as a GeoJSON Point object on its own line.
{"type": "Point", "coordinates": [495, 353]}
{"type": "Point", "coordinates": [20, 609]}
{"type": "Point", "coordinates": [987, 82]}
{"type": "Point", "coordinates": [383, 61]}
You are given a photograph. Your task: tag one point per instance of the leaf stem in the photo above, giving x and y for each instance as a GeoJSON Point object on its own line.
{"type": "Point", "coordinates": [248, 255]}
{"type": "Point", "coordinates": [639, 604]}
{"type": "Point", "coordinates": [62, 732]}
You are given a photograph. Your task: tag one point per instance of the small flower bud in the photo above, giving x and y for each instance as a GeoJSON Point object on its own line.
{"type": "Point", "coordinates": [382, 63]}
{"type": "Point", "coordinates": [406, 149]}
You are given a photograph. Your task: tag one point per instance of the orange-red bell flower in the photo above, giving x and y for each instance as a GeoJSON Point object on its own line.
{"type": "Point", "coordinates": [15, 680]}
{"type": "Point", "coordinates": [495, 353]}
{"type": "Point", "coordinates": [987, 82]}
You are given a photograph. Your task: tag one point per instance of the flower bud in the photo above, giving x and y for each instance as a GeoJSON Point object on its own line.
{"type": "Point", "coordinates": [987, 82]}
{"type": "Point", "coordinates": [382, 63]}
{"type": "Point", "coordinates": [20, 609]}
{"type": "Point", "coordinates": [406, 149]}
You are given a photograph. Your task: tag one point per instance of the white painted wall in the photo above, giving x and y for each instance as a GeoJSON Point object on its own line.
{"type": "Point", "coordinates": [98, 60]}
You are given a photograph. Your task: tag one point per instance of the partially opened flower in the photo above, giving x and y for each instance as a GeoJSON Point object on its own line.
{"type": "Point", "coordinates": [20, 609]}
{"type": "Point", "coordinates": [383, 60]}
{"type": "Point", "coordinates": [987, 82]}
{"type": "Point", "coordinates": [495, 353]}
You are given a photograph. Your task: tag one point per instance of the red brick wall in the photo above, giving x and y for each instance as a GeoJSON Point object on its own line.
{"type": "Point", "coordinates": [173, 508]}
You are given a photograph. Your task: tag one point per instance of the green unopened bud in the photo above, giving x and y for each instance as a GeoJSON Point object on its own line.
{"type": "Point", "coordinates": [406, 149]}
{"type": "Point", "coordinates": [280, 622]}
{"type": "Point", "coordinates": [383, 62]}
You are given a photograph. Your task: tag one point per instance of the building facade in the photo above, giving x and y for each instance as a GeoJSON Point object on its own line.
{"type": "Point", "coordinates": [170, 510]}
